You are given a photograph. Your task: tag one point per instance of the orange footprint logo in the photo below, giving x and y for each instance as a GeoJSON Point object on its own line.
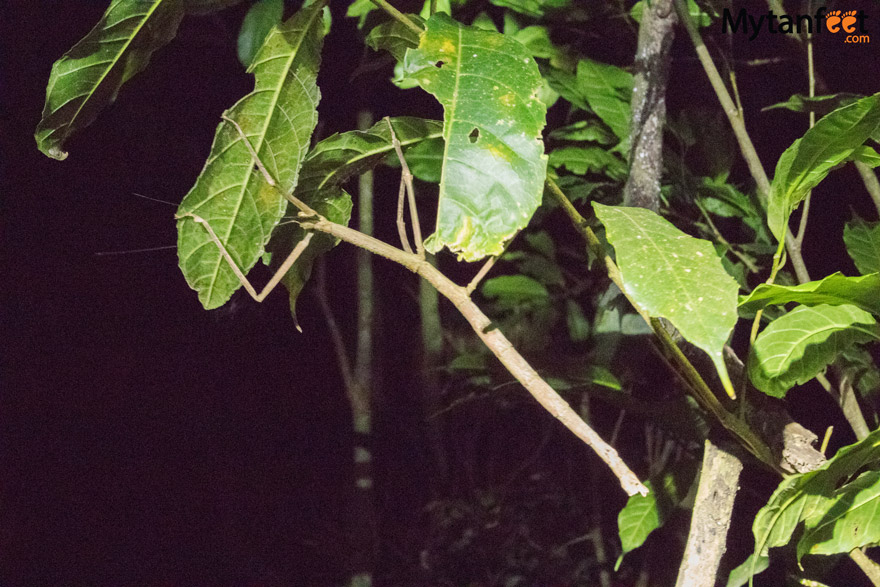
{"type": "Point", "coordinates": [849, 21]}
{"type": "Point", "coordinates": [832, 21]}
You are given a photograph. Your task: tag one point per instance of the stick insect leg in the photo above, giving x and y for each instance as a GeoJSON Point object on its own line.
{"type": "Point", "coordinates": [406, 177]}
{"type": "Point", "coordinates": [276, 278]}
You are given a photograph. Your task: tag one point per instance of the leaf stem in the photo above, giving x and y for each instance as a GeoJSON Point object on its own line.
{"type": "Point", "coordinates": [398, 16]}
{"type": "Point", "coordinates": [871, 183]}
{"type": "Point", "coordinates": [868, 566]}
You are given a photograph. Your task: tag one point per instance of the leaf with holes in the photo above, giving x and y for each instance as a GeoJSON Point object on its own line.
{"type": "Point", "coordinates": [494, 163]}
{"type": "Point", "coordinates": [862, 240]}
{"type": "Point", "coordinates": [837, 289]}
{"type": "Point", "coordinates": [332, 162]}
{"type": "Point", "coordinates": [810, 158]}
{"type": "Point", "coordinates": [797, 346]}
{"type": "Point", "coordinates": [88, 77]}
{"type": "Point", "coordinates": [672, 275]}
{"type": "Point", "coordinates": [278, 117]}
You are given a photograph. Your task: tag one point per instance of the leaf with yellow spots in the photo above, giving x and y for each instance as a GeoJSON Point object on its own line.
{"type": "Point", "coordinates": [672, 275]}
{"type": "Point", "coordinates": [278, 117]}
{"type": "Point", "coordinates": [493, 163]}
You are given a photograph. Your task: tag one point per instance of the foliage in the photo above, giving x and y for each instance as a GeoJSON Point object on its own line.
{"type": "Point", "coordinates": [496, 71]}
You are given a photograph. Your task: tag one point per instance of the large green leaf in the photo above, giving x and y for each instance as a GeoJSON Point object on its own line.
{"type": "Point", "coordinates": [801, 497]}
{"type": "Point", "coordinates": [608, 90]}
{"type": "Point", "coordinates": [797, 346]}
{"type": "Point", "coordinates": [333, 161]}
{"type": "Point", "coordinates": [278, 117]}
{"type": "Point", "coordinates": [837, 289]}
{"type": "Point", "coordinates": [846, 520]}
{"type": "Point", "coordinates": [494, 164]}
{"type": "Point", "coordinates": [862, 240]}
{"type": "Point", "coordinates": [674, 276]}
{"type": "Point", "coordinates": [88, 77]}
{"type": "Point", "coordinates": [810, 158]}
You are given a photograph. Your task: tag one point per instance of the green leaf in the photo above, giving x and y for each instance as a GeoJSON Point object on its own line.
{"type": "Point", "coordinates": [425, 159]}
{"type": "Point", "coordinates": [821, 105]}
{"type": "Point", "coordinates": [846, 520]}
{"type": "Point", "coordinates": [577, 324]}
{"type": "Point", "coordinates": [801, 497]}
{"type": "Point", "coordinates": [278, 117]}
{"type": "Point", "coordinates": [512, 290]}
{"type": "Point", "coordinates": [330, 164]}
{"type": "Point", "coordinates": [866, 155]}
{"type": "Point", "coordinates": [341, 156]}
{"type": "Point", "coordinates": [645, 513]}
{"type": "Point", "coordinates": [862, 240]}
{"type": "Point", "coordinates": [810, 158]}
{"type": "Point", "coordinates": [394, 37]}
{"type": "Point", "coordinates": [835, 290]}
{"type": "Point", "coordinates": [494, 166]}
{"type": "Point", "coordinates": [583, 160]}
{"type": "Point", "coordinates": [583, 130]}
{"type": "Point", "coordinates": [566, 85]}
{"type": "Point", "coordinates": [608, 90]}
{"type": "Point", "coordinates": [88, 77]}
{"type": "Point", "coordinates": [797, 346]}
{"type": "Point", "coordinates": [360, 9]}
{"type": "Point", "coordinates": [257, 23]}
{"type": "Point", "coordinates": [750, 567]}
{"type": "Point", "coordinates": [674, 276]}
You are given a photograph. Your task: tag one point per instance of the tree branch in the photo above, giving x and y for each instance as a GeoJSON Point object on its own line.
{"type": "Point", "coordinates": [495, 340]}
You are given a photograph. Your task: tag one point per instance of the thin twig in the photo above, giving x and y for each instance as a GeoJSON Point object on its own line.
{"type": "Point", "coordinates": [399, 16]}
{"type": "Point", "coordinates": [401, 223]}
{"type": "Point", "coordinates": [868, 566]}
{"type": "Point", "coordinates": [339, 348]}
{"type": "Point", "coordinates": [747, 148]}
{"type": "Point", "coordinates": [407, 178]}
{"type": "Point", "coordinates": [487, 266]}
{"type": "Point", "coordinates": [871, 183]}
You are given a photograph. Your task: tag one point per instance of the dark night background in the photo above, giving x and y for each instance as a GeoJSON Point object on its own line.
{"type": "Point", "coordinates": [145, 441]}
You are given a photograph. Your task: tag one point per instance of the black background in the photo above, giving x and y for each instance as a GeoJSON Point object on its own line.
{"type": "Point", "coordinates": [146, 441]}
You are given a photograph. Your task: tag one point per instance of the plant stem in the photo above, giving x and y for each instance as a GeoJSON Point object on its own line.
{"type": "Point", "coordinates": [747, 148]}
{"type": "Point", "coordinates": [871, 183]}
{"type": "Point", "coordinates": [398, 16]}
{"type": "Point", "coordinates": [868, 566]}
{"type": "Point", "coordinates": [681, 365]}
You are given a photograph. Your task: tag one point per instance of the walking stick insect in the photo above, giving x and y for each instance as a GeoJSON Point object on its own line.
{"type": "Point", "coordinates": [305, 211]}
{"type": "Point", "coordinates": [416, 262]}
